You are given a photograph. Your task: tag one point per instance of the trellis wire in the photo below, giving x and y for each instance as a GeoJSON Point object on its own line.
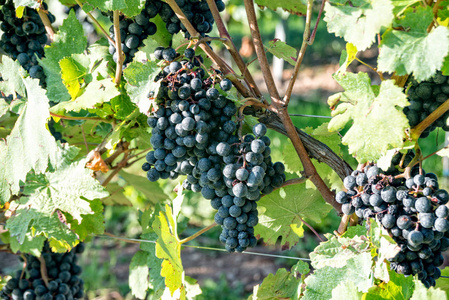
{"type": "Point", "coordinates": [206, 248]}
{"type": "Point", "coordinates": [310, 116]}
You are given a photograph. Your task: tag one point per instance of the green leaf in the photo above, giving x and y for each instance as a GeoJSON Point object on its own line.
{"type": "Point", "coordinates": [336, 251]}
{"type": "Point", "coordinates": [64, 189]}
{"type": "Point", "coordinates": [443, 283]}
{"type": "Point", "coordinates": [97, 92]}
{"type": "Point", "coordinates": [282, 210]}
{"type": "Point", "coordinates": [169, 249]}
{"type": "Point", "coordinates": [69, 40]}
{"type": "Point", "coordinates": [368, 138]}
{"type": "Point", "coordinates": [122, 106]}
{"type": "Point", "coordinates": [358, 21]}
{"type": "Point", "coordinates": [28, 3]}
{"type": "Point", "coordinates": [162, 39]}
{"type": "Point", "coordinates": [31, 244]}
{"type": "Point", "coordinates": [346, 291]}
{"type": "Point", "coordinates": [130, 8]}
{"type": "Point", "coordinates": [151, 190]}
{"type": "Point", "coordinates": [30, 145]}
{"type": "Point", "coordinates": [401, 5]}
{"type": "Point", "coordinates": [443, 12]}
{"type": "Point", "coordinates": [421, 292]}
{"type": "Point", "coordinates": [321, 283]}
{"type": "Point", "coordinates": [399, 287]}
{"type": "Point", "coordinates": [91, 223]}
{"type": "Point", "coordinates": [280, 286]}
{"type": "Point", "coordinates": [4, 107]}
{"type": "Point", "coordinates": [138, 274]}
{"type": "Point", "coordinates": [292, 6]}
{"type": "Point", "coordinates": [347, 57]}
{"type": "Point", "coordinates": [12, 75]}
{"type": "Point", "coordinates": [140, 82]}
{"type": "Point", "coordinates": [281, 50]}
{"type": "Point", "coordinates": [412, 49]}
{"type": "Point", "coordinates": [74, 69]}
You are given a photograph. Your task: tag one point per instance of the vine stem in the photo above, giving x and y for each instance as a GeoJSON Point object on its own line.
{"type": "Point", "coordinates": [293, 181]}
{"type": "Point", "coordinates": [216, 59]}
{"type": "Point", "coordinates": [418, 129]}
{"type": "Point", "coordinates": [312, 229]}
{"type": "Point", "coordinates": [106, 34]}
{"type": "Point", "coordinates": [118, 46]}
{"type": "Point", "coordinates": [119, 167]}
{"type": "Point", "coordinates": [435, 11]}
{"type": "Point", "coordinates": [43, 270]}
{"type": "Point", "coordinates": [280, 109]}
{"type": "Point", "coordinates": [229, 44]}
{"type": "Point", "coordinates": [197, 234]}
{"type": "Point", "coordinates": [77, 118]}
{"type": "Point", "coordinates": [47, 24]}
{"type": "Point", "coordinates": [343, 224]}
{"type": "Point", "coordinates": [302, 51]}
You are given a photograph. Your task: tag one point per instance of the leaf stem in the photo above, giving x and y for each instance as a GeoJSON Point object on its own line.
{"type": "Point", "coordinates": [118, 46]}
{"type": "Point", "coordinates": [43, 270]}
{"type": "Point", "coordinates": [197, 234]}
{"type": "Point", "coordinates": [416, 132]}
{"type": "Point", "coordinates": [435, 12]}
{"type": "Point", "coordinates": [343, 224]}
{"type": "Point", "coordinates": [312, 229]}
{"type": "Point", "coordinates": [78, 118]}
{"type": "Point", "coordinates": [106, 34]}
{"type": "Point", "coordinates": [47, 24]}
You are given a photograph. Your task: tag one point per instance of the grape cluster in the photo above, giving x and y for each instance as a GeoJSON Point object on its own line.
{"type": "Point", "coordinates": [196, 11]}
{"type": "Point", "coordinates": [424, 98]}
{"type": "Point", "coordinates": [62, 271]}
{"type": "Point", "coordinates": [412, 210]}
{"type": "Point", "coordinates": [24, 39]}
{"type": "Point", "coordinates": [133, 32]}
{"type": "Point", "coordinates": [193, 134]}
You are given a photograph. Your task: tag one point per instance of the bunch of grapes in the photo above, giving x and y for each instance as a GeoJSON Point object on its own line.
{"type": "Point", "coordinates": [196, 11]}
{"type": "Point", "coordinates": [24, 39]}
{"type": "Point", "coordinates": [133, 32]}
{"type": "Point", "coordinates": [412, 210]}
{"type": "Point", "coordinates": [425, 97]}
{"type": "Point", "coordinates": [62, 273]}
{"type": "Point", "coordinates": [193, 134]}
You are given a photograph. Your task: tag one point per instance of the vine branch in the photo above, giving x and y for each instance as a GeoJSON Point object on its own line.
{"type": "Point", "coordinates": [106, 34]}
{"type": "Point", "coordinates": [197, 234]}
{"type": "Point", "coordinates": [78, 118]}
{"type": "Point", "coordinates": [416, 132]}
{"type": "Point", "coordinates": [47, 24]}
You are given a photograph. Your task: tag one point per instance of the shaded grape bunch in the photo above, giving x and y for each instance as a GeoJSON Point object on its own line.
{"type": "Point", "coordinates": [193, 134]}
{"type": "Point", "coordinates": [56, 134]}
{"type": "Point", "coordinates": [196, 11]}
{"type": "Point", "coordinates": [424, 98]}
{"type": "Point", "coordinates": [63, 274]}
{"type": "Point", "coordinates": [24, 38]}
{"type": "Point", "coordinates": [413, 211]}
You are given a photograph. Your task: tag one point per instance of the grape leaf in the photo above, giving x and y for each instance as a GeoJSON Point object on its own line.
{"type": "Point", "coordinates": [443, 283]}
{"type": "Point", "coordinates": [95, 93]}
{"type": "Point", "coordinates": [401, 5]}
{"type": "Point", "coordinates": [369, 138]}
{"type": "Point", "coordinates": [412, 49]}
{"type": "Point", "coordinates": [65, 189]}
{"type": "Point", "coordinates": [346, 291]}
{"type": "Point", "coordinates": [359, 21]}
{"type": "Point", "coordinates": [421, 292]}
{"type": "Point", "coordinates": [163, 38]}
{"type": "Point", "coordinates": [336, 251]}
{"type": "Point", "coordinates": [69, 40]}
{"type": "Point", "coordinates": [151, 190]}
{"type": "Point", "coordinates": [130, 8]}
{"type": "Point", "coordinates": [320, 284]}
{"type": "Point", "coordinates": [169, 249]}
{"type": "Point", "coordinates": [292, 6]}
{"type": "Point", "coordinates": [399, 287]}
{"type": "Point", "coordinates": [282, 210]}
{"type": "Point", "coordinates": [30, 145]}
{"type": "Point", "coordinates": [74, 70]}
{"type": "Point", "coordinates": [138, 274]}
{"type": "Point", "coordinates": [91, 223]}
{"type": "Point", "coordinates": [347, 57]}
{"type": "Point", "coordinates": [4, 107]}
{"type": "Point", "coordinates": [28, 3]}
{"type": "Point", "coordinates": [140, 82]}
{"type": "Point", "coordinates": [122, 106]}
{"type": "Point", "coordinates": [282, 285]}
{"type": "Point", "coordinates": [31, 244]}
{"type": "Point", "coordinates": [443, 11]}
{"type": "Point", "coordinates": [12, 75]}
{"type": "Point", "coordinates": [281, 50]}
